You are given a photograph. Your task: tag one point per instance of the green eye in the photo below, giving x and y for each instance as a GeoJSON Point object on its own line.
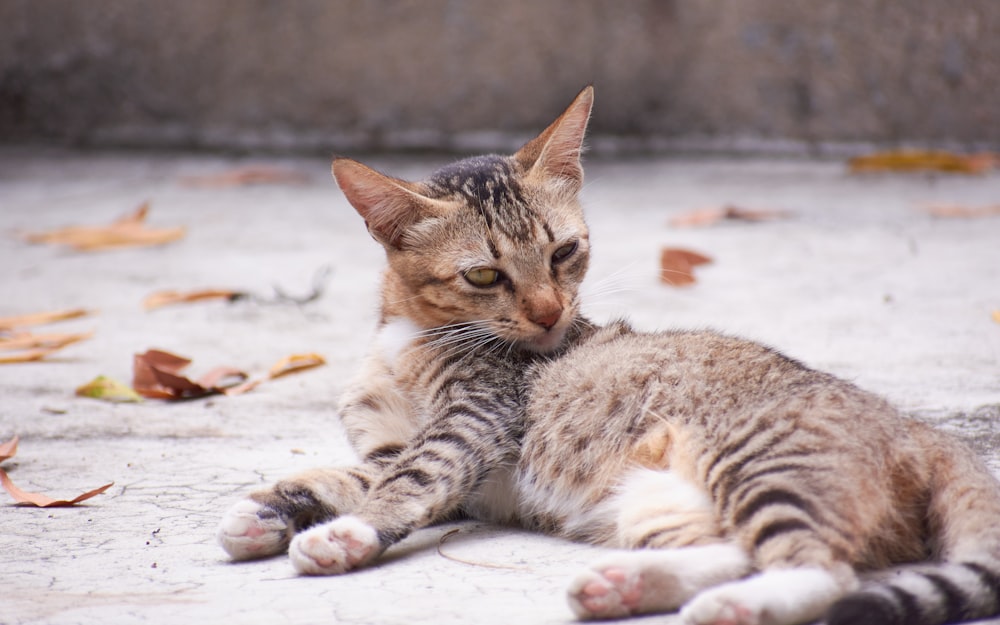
{"type": "Point", "coordinates": [482, 276]}
{"type": "Point", "coordinates": [564, 252]}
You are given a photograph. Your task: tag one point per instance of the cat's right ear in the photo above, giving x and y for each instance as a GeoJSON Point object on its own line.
{"type": "Point", "coordinates": [388, 205]}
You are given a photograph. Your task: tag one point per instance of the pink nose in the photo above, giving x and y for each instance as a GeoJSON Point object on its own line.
{"type": "Point", "coordinates": [547, 319]}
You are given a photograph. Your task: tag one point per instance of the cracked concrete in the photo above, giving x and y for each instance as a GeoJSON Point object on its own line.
{"type": "Point", "coordinates": [860, 282]}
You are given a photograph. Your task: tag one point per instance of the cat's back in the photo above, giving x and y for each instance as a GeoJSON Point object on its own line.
{"type": "Point", "coordinates": [678, 400]}
{"type": "Point", "coordinates": [709, 372]}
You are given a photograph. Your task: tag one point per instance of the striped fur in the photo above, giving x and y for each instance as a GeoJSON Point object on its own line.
{"type": "Point", "coordinates": [742, 486]}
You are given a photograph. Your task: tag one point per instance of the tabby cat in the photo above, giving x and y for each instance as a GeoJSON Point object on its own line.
{"type": "Point", "coordinates": [742, 486]}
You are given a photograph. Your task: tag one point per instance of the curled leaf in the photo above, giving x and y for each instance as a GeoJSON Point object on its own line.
{"type": "Point", "coordinates": [677, 265]}
{"type": "Point", "coordinates": [43, 501]}
{"type": "Point", "coordinates": [243, 176]}
{"type": "Point", "coordinates": [957, 211]}
{"type": "Point", "coordinates": [27, 340]}
{"type": "Point", "coordinates": [294, 363]}
{"type": "Point", "coordinates": [168, 298]}
{"type": "Point", "coordinates": [285, 366]}
{"type": "Point", "coordinates": [156, 375]}
{"type": "Point", "coordinates": [713, 215]}
{"type": "Point", "coordinates": [127, 231]}
{"type": "Point", "coordinates": [27, 347]}
{"type": "Point", "coordinates": [108, 389]}
{"type": "Point", "coordinates": [9, 448]}
{"type": "Point", "coordinates": [42, 318]}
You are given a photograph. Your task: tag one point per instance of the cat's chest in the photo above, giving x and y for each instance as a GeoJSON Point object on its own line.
{"type": "Point", "coordinates": [413, 362]}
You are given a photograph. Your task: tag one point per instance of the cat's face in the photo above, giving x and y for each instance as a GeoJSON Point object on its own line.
{"type": "Point", "coordinates": [498, 243]}
{"type": "Point", "coordinates": [509, 260]}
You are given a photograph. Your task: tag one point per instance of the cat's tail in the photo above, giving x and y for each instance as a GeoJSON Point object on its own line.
{"type": "Point", "coordinates": [962, 582]}
{"type": "Point", "coordinates": [924, 595]}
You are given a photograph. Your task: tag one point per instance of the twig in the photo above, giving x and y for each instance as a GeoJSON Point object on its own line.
{"type": "Point", "coordinates": [444, 538]}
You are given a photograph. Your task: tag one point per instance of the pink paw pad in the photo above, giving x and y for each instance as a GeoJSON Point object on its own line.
{"type": "Point", "coordinates": [608, 593]}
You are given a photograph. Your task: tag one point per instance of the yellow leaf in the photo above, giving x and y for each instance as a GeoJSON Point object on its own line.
{"type": "Point", "coordinates": [108, 389]}
{"type": "Point", "coordinates": [923, 160]}
{"type": "Point", "coordinates": [293, 363]}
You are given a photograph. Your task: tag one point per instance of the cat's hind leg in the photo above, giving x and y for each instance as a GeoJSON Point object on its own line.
{"type": "Point", "coordinates": [263, 524]}
{"type": "Point", "coordinates": [680, 549]}
{"type": "Point", "coordinates": [653, 581]}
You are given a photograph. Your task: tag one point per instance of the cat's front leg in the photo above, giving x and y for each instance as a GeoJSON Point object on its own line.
{"type": "Point", "coordinates": [263, 524]}
{"type": "Point", "coordinates": [334, 547]}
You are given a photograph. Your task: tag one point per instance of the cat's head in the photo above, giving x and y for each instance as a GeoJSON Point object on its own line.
{"type": "Point", "coordinates": [496, 242]}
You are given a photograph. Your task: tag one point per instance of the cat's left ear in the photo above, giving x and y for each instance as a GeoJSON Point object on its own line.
{"type": "Point", "coordinates": [555, 154]}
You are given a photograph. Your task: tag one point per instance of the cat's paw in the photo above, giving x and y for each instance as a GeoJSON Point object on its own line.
{"type": "Point", "coordinates": [776, 597]}
{"type": "Point", "coordinates": [605, 592]}
{"type": "Point", "coordinates": [718, 608]}
{"type": "Point", "coordinates": [249, 530]}
{"type": "Point", "coordinates": [334, 547]}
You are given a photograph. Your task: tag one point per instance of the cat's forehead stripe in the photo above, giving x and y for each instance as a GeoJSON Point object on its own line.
{"type": "Point", "coordinates": [491, 188]}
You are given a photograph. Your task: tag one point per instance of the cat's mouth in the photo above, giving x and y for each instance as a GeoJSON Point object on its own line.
{"type": "Point", "coordinates": [546, 341]}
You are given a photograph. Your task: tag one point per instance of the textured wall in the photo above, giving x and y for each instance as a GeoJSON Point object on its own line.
{"type": "Point", "coordinates": [350, 74]}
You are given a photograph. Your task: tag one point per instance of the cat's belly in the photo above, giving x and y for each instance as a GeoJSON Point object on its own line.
{"type": "Point", "coordinates": [496, 500]}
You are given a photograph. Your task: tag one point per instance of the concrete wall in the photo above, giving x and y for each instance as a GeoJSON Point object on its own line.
{"type": "Point", "coordinates": [447, 74]}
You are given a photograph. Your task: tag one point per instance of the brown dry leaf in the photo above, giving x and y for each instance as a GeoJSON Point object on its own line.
{"type": "Point", "coordinates": [924, 160]}
{"type": "Point", "coordinates": [27, 347]}
{"type": "Point", "coordinates": [168, 298]}
{"type": "Point", "coordinates": [957, 211]}
{"type": "Point", "coordinates": [243, 176]}
{"type": "Point", "coordinates": [53, 341]}
{"type": "Point", "coordinates": [156, 375]}
{"type": "Point", "coordinates": [9, 449]}
{"type": "Point", "coordinates": [42, 318]}
{"type": "Point", "coordinates": [127, 231]}
{"type": "Point", "coordinates": [677, 265]}
{"type": "Point", "coordinates": [713, 215]}
{"type": "Point", "coordinates": [42, 501]}
{"type": "Point", "coordinates": [289, 364]}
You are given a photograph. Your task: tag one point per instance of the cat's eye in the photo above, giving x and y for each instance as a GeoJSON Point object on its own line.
{"type": "Point", "coordinates": [564, 252]}
{"type": "Point", "coordinates": [482, 276]}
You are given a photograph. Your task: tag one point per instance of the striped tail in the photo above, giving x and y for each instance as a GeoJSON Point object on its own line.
{"type": "Point", "coordinates": [924, 595]}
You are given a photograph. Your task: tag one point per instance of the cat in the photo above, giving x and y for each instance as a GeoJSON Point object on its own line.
{"type": "Point", "coordinates": [742, 487]}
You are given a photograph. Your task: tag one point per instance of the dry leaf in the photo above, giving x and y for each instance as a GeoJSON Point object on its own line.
{"type": "Point", "coordinates": [243, 176]}
{"type": "Point", "coordinates": [42, 501]}
{"type": "Point", "coordinates": [42, 318]}
{"type": "Point", "coordinates": [28, 347]}
{"type": "Point", "coordinates": [963, 212]}
{"type": "Point", "coordinates": [918, 160]}
{"type": "Point", "coordinates": [126, 231]}
{"type": "Point", "coordinates": [108, 389]}
{"type": "Point", "coordinates": [677, 265]}
{"type": "Point", "coordinates": [156, 375]}
{"type": "Point", "coordinates": [9, 449]}
{"type": "Point", "coordinates": [288, 364]}
{"type": "Point", "coordinates": [713, 215]}
{"type": "Point", "coordinates": [295, 363]}
{"type": "Point", "coordinates": [27, 340]}
{"type": "Point", "coordinates": [167, 298]}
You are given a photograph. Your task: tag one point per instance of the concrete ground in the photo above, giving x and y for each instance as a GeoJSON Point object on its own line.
{"type": "Point", "coordinates": [859, 281]}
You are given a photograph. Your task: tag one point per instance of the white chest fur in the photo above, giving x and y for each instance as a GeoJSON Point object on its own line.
{"type": "Point", "coordinates": [395, 336]}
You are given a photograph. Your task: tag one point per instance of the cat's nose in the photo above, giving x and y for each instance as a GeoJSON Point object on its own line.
{"type": "Point", "coordinates": [547, 318]}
